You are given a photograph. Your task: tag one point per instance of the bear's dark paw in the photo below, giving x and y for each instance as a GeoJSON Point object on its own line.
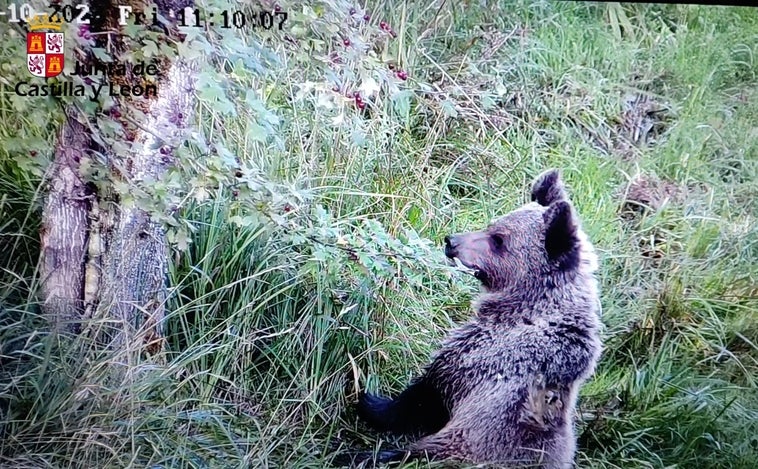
{"type": "Point", "coordinates": [377, 411]}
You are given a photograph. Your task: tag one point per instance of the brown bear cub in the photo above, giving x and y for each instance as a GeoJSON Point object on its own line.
{"type": "Point", "coordinates": [503, 388]}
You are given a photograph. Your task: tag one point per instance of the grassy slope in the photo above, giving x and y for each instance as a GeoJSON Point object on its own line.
{"type": "Point", "coordinates": [267, 345]}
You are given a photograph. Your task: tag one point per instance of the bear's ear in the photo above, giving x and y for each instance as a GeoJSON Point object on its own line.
{"type": "Point", "coordinates": [548, 188]}
{"type": "Point", "coordinates": [561, 240]}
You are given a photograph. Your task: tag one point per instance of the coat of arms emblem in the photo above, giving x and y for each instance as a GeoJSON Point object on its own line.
{"type": "Point", "coordinates": [44, 50]}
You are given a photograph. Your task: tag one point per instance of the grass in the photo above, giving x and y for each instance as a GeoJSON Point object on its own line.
{"type": "Point", "coordinates": [269, 339]}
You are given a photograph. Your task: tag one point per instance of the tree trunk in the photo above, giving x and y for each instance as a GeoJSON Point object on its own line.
{"type": "Point", "coordinates": [135, 251]}
{"type": "Point", "coordinates": [65, 231]}
{"type": "Point", "coordinates": [100, 258]}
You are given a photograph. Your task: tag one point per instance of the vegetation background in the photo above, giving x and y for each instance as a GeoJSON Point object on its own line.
{"type": "Point", "coordinates": [315, 270]}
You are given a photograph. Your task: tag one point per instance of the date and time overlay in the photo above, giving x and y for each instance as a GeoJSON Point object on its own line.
{"type": "Point", "coordinates": [45, 57]}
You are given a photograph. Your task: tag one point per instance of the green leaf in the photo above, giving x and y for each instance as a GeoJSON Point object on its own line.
{"type": "Point", "coordinates": [150, 49]}
{"type": "Point", "coordinates": [448, 108]}
{"type": "Point", "coordinates": [211, 93]}
{"type": "Point", "coordinates": [226, 107]}
{"type": "Point", "coordinates": [402, 103]}
{"type": "Point", "coordinates": [101, 54]}
{"type": "Point", "coordinates": [188, 52]}
{"type": "Point", "coordinates": [256, 132]}
{"type": "Point", "coordinates": [358, 137]}
{"type": "Point", "coordinates": [487, 102]}
{"type": "Point", "coordinates": [182, 240]}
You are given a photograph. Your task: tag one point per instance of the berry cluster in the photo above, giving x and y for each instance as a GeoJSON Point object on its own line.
{"type": "Point", "coordinates": [359, 101]}
{"type": "Point", "coordinates": [336, 59]}
{"type": "Point", "coordinates": [386, 27]}
{"type": "Point", "coordinates": [401, 74]}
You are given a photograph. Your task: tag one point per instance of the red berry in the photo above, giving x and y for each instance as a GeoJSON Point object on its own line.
{"type": "Point", "coordinates": [352, 11]}
{"type": "Point", "coordinates": [393, 33]}
{"type": "Point", "coordinates": [277, 8]}
{"type": "Point", "coordinates": [116, 113]}
{"type": "Point", "coordinates": [360, 104]}
{"type": "Point", "coordinates": [402, 75]}
{"type": "Point", "coordinates": [366, 17]}
{"type": "Point", "coordinates": [235, 193]}
{"type": "Point", "coordinates": [346, 42]}
{"type": "Point", "coordinates": [384, 25]}
{"type": "Point", "coordinates": [32, 153]}
{"type": "Point", "coordinates": [391, 66]}
{"type": "Point", "coordinates": [358, 98]}
{"type": "Point", "coordinates": [287, 208]}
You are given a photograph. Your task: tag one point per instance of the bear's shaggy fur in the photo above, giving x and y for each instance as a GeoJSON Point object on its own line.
{"type": "Point", "coordinates": [503, 387]}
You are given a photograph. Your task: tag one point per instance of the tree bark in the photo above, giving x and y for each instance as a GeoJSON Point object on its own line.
{"type": "Point", "coordinates": [135, 254]}
{"type": "Point", "coordinates": [97, 257]}
{"type": "Point", "coordinates": [65, 227]}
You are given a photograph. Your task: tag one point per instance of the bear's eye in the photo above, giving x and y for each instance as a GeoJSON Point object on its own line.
{"type": "Point", "coordinates": [497, 240]}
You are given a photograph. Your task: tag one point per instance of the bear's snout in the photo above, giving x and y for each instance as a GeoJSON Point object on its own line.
{"type": "Point", "coordinates": [451, 244]}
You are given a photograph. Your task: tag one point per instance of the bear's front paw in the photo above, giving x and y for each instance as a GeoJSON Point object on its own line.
{"type": "Point", "coordinates": [377, 411]}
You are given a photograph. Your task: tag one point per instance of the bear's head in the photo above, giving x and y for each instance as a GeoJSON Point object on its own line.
{"type": "Point", "coordinates": [527, 246]}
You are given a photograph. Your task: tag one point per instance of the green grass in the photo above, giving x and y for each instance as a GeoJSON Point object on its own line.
{"type": "Point", "coordinates": [269, 340]}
